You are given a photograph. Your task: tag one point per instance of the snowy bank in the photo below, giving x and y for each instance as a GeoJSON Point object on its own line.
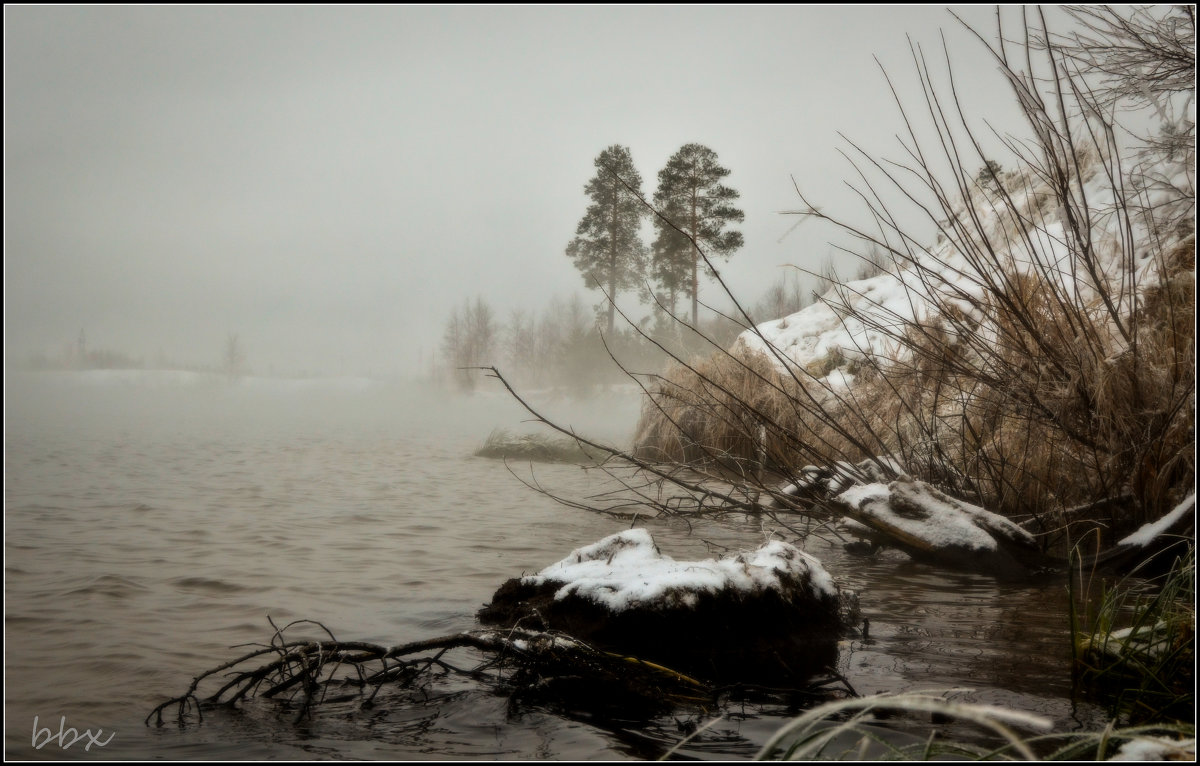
{"type": "Point", "coordinates": [867, 317]}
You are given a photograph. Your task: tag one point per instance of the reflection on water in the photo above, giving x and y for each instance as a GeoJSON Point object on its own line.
{"type": "Point", "coordinates": [152, 523]}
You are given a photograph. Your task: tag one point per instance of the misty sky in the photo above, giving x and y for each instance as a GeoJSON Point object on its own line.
{"type": "Point", "coordinates": [328, 182]}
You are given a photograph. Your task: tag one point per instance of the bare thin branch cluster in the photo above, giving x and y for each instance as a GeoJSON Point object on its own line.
{"type": "Point", "coordinates": [1141, 56]}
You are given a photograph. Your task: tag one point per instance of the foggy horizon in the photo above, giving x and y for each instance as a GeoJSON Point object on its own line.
{"type": "Point", "coordinates": [328, 183]}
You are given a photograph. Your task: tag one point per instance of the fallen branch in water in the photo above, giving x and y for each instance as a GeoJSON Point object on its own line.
{"type": "Point", "coordinates": [309, 667]}
{"type": "Point", "coordinates": [544, 662]}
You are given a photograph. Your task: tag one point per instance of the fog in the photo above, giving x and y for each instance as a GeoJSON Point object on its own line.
{"type": "Point", "coordinates": [203, 408]}
{"type": "Point", "coordinates": [327, 183]}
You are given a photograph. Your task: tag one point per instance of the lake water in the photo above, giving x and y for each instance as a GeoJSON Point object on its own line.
{"type": "Point", "coordinates": [155, 520]}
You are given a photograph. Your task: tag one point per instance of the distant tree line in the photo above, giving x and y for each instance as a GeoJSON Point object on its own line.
{"type": "Point", "coordinates": [78, 355]}
{"type": "Point", "coordinates": [559, 346]}
{"type": "Point", "coordinates": [563, 344]}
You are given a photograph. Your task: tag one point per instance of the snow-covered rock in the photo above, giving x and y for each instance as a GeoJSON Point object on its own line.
{"type": "Point", "coordinates": [768, 615]}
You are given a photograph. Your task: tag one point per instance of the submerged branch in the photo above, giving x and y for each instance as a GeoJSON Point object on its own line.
{"type": "Point", "coordinates": [306, 670]}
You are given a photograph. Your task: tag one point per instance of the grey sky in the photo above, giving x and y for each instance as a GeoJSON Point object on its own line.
{"type": "Point", "coordinates": [327, 182]}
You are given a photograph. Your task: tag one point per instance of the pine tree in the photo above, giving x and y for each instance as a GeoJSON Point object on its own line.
{"type": "Point", "coordinates": [690, 194]}
{"type": "Point", "coordinates": [990, 176]}
{"type": "Point", "coordinates": [607, 247]}
{"type": "Point", "coordinates": [670, 265]}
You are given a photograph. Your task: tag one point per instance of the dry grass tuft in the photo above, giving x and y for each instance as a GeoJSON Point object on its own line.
{"type": "Point", "coordinates": [737, 412]}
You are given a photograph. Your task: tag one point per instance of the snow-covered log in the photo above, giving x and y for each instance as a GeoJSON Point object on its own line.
{"type": "Point", "coordinates": [770, 616]}
{"type": "Point", "coordinates": [1153, 546]}
{"type": "Point", "coordinates": [827, 481]}
{"type": "Point", "coordinates": [929, 524]}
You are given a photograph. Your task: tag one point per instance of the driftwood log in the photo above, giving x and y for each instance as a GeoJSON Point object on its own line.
{"type": "Point", "coordinates": [928, 524]}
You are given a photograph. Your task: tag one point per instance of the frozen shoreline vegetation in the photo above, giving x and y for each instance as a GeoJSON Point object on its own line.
{"type": "Point", "coordinates": [1013, 362]}
{"type": "Point", "coordinates": [1036, 358]}
{"type": "Point", "coordinates": [1028, 371]}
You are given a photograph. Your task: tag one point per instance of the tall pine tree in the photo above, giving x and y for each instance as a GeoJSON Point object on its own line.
{"type": "Point", "coordinates": [607, 247]}
{"type": "Point", "coordinates": [690, 194]}
{"type": "Point", "coordinates": [670, 265]}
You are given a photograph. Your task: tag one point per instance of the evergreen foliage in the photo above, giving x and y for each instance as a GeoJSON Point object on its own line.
{"type": "Point", "coordinates": [691, 196]}
{"type": "Point", "coordinates": [607, 248]}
